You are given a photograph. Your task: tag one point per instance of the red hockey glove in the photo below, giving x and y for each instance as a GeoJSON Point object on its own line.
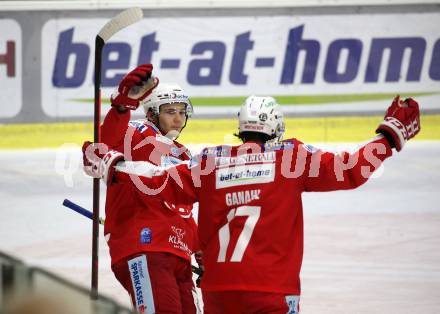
{"type": "Point", "coordinates": [134, 87]}
{"type": "Point", "coordinates": [91, 158]}
{"type": "Point", "coordinates": [401, 122]}
{"type": "Point", "coordinates": [99, 162]}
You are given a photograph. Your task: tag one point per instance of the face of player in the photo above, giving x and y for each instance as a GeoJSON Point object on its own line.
{"type": "Point", "coordinates": [172, 117]}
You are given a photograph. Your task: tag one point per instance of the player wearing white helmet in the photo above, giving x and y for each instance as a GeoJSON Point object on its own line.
{"type": "Point", "coordinates": [150, 245]}
{"type": "Point", "coordinates": [260, 115]}
{"type": "Point", "coordinates": [168, 107]}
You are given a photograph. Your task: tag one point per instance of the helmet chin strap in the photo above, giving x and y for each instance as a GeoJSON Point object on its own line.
{"type": "Point", "coordinates": [172, 135]}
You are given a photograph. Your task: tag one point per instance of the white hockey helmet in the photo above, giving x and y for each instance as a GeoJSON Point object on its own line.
{"type": "Point", "coordinates": [167, 94]}
{"type": "Point", "coordinates": [262, 115]}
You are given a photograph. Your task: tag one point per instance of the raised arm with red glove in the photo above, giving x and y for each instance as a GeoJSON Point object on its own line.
{"type": "Point", "coordinates": [401, 122]}
{"type": "Point", "coordinates": [134, 87]}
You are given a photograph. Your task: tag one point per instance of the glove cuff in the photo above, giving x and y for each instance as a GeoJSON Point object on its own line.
{"type": "Point", "coordinates": [107, 164]}
{"type": "Point", "coordinates": [393, 129]}
{"type": "Point", "coordinates": [118, 99]}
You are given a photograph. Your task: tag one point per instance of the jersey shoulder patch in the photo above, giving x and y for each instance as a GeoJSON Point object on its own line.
{"type": "Point", "coordinates": [272, 146]}
{"type": "Point", "coordinates": [139, 125]}
{"type": "Point", "coordinates": [217, 151]}
{"type": "Point", "coordinates": [310, 148]}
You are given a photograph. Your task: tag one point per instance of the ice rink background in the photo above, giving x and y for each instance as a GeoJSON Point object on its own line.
{"type": "Point", "coordinates": [372, 250]}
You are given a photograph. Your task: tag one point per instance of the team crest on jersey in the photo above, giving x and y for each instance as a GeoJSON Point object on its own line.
{"type": "Point", "coordinates": [176, 240]}
{"type": "Point", "coordinates": [146, 236]}
{"type": "Point", "coordinates": [179, 232]}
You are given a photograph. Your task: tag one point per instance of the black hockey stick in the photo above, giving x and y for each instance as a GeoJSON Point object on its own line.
{"type": "Point", "coordinates": [87, 213]}
{"type": "Point", "coordinates": [116, 24]}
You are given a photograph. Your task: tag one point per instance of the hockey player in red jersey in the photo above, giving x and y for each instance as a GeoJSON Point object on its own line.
{"type": "Point", "coordinates": [150, 244]}
{"type": "Point", "coordinates": [250, 210]}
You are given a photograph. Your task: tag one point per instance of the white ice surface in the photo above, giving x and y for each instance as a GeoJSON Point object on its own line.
{"type": "Point", "coordinates": [372, 250]}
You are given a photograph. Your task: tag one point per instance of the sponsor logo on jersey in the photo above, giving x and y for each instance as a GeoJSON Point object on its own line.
{"type": "Point", "coordinates": [137, 286]}
{"type": "Point", "coordinates": [245, 159]}
{"type": "Point", "coordinates": [244, 175]}
{"type": "Point", "coordinates": [146, 236]}
{"type": "Point", "coordinates": [242, 197]}
{"type": "Point", "coordinates": [140, 280]}
{"type": "Point", "coordinates": [177, 241]}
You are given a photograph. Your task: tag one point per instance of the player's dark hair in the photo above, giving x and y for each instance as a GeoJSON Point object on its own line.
{"type": "Point", "coordinates": [254, 137]}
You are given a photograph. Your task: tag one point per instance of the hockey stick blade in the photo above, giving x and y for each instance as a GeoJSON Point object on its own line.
{"type": "Point", "coordinates": [81, 210]}
{"type": "Point", "coordinates": [120, 21]}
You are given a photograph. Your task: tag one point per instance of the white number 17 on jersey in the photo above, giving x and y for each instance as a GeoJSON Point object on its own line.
{"type": "Point", "coordinates": [253, 213]}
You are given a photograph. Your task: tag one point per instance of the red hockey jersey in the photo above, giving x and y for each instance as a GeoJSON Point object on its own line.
{"type": "Point", "coordinates": [250, 209]}
{"type": "Point", "coordinates": [132, 224]}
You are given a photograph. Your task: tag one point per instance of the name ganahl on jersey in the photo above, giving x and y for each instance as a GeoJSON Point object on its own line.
{"type": "Point", "coordinates": [242, 197]}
